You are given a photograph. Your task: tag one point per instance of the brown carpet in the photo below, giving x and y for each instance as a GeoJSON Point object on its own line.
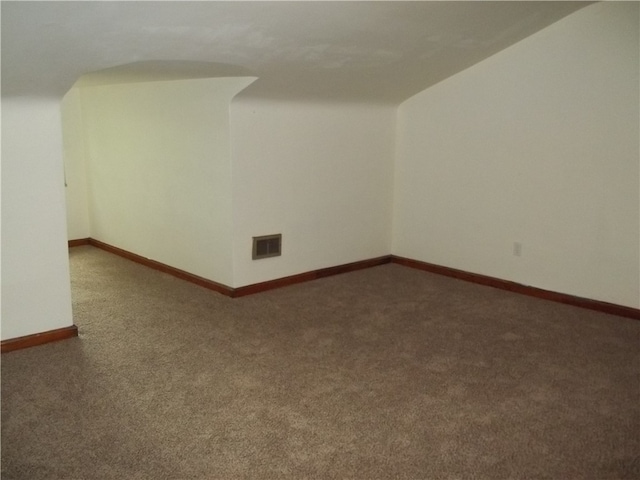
{"type": "Point", "coordinates": [385, 373]}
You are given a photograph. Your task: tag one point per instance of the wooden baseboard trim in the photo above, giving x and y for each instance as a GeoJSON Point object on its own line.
{"type": "Point", "coordinates": [246, 290]}
{"type": "Point", "coordinates": [581, 302]}
{"type": "Point", "coordinates": [79, 242]}
{"type": "Point", "coordinates": [38, 339]}
{"type": "Point", "coordinates": [176, 272]}
{"type": "Point", "coordinates": [308, 276]}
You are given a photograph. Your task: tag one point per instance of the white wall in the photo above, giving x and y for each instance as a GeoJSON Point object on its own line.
{"type": "Point", "coordinates": [36, 293]}
{"type": "Point", "coordinates": [160, 171]}
{"type": "Point", "coordinates": [74, 154]}
{"type": "Point", "coordinates": [538, 144]}
{"type": "Point", "coordinates": [320, 174]}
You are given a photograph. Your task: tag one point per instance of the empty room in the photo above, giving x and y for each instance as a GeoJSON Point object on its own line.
{"type": "Point", "coordinates": [306, 239]}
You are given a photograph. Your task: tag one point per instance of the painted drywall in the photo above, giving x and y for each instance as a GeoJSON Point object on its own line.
{"type": "Point", "coordinates": [536, 145]}
{"type": "Point", "coordinates": [36, 294]}
{"type": "Point", "coordinates": [321, 174]}
{"type": "Point", "coordinates": [74, 155]}
{"type": "Point", "coordinates": [160, 171]}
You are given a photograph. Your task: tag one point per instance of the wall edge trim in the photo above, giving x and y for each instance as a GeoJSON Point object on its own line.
{"type": "Point", "coordinates": [590, 304]}
{"type": "Point", "coordinates": [311, 275]}
{"type": "Point", "coordinates": [582, 302]}
{"type": "Point", "coordinates": [78, 242]}
{"type": "Point", "coordinates": [18, 343]}
{"type": "Point", "coordinates": [245, 290]}
{"type": "Point", "coordinates": [175, 272]}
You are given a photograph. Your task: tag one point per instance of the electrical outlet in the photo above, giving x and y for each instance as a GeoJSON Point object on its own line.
{"type": "Point", "coordinates": [517, 249]}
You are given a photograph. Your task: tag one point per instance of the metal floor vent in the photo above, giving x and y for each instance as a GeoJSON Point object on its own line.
{"type": "Point", "coordinates": [267, 246]}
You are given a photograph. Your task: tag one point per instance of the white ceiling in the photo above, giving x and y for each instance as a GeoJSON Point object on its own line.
{"type": "Point", "coordinates": [348, 51]}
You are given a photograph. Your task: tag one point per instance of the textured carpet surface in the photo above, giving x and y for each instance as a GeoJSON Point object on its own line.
{"type": "Point", "coordinates": [384, 373]}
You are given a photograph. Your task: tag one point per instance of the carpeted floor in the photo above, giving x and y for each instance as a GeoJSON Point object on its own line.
{"type": "Point", "coordinates": [385, 373]}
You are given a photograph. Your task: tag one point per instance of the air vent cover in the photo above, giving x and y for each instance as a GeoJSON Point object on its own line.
{"type": "Point", "coordinates": [267, 246]}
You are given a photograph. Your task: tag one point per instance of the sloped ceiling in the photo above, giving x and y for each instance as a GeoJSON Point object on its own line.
{"type": "Point", "coordinates": [346, 51]}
